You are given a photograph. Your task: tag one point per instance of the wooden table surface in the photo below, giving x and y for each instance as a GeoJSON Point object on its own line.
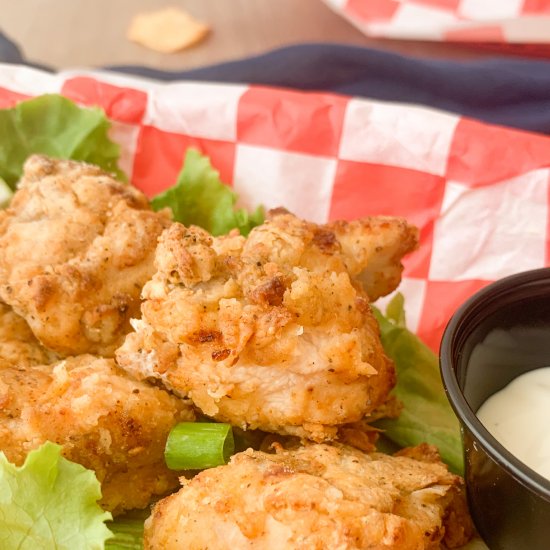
{"type": "Point", "coordinates": [73, 33]}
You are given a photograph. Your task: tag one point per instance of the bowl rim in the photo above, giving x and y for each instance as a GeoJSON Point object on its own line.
{"type": "Point", "coordinates": [466, 416]}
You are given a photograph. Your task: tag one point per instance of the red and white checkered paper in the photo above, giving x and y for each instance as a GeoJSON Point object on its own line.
{"type": "Point", "coordinates": [478, 193]}
{"type": "Point", "coordinates": [490, 21]}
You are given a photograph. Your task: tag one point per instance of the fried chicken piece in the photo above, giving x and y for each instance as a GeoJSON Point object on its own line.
{"type": "Point", "coordinates": [373, 249]}
{"type": "Point", "coordinates": [18, 346]}
{"type": "Point", "coordinates": [268, 332]}
{"type": "Point", "coordinates": [76, 247]}
{"type": "Point", "coordinates": [315, 497]}
{"type": "Point", "coordinates": [103, 419]}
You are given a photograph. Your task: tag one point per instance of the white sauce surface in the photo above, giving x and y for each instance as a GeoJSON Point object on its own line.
{"type": "Point", "coordinates": [517, 416]}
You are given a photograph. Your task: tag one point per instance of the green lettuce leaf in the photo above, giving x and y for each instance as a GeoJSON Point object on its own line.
{"type": "Point", "coordinates": [55, 126]}
{"type": "Point", "coordinates": [200, 198]}
{"type": "Point", "coordinates": [50, 502]}
{"type": "Point", "coordinates": [426, 415]}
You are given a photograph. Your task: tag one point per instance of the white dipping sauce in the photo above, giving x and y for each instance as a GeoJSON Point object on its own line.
{"type": "Point", "coordinates": [517, 416]}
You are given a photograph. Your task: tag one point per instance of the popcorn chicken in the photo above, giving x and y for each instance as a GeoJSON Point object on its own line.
{"type": "Point", "coordinates": [102, 418]}
{"type": "Point", "coordinates": [76, 247]}
{"type": "Point", "coordinates": [317, 496]}
{"type": "Point", "coordinates": [274, 331]}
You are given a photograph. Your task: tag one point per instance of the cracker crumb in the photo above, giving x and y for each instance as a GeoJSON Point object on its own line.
{"type": "Point", "coordinates": [167, 31]}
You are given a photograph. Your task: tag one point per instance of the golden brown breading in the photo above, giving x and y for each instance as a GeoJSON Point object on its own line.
{"type": "Point", "coordinates": [104, 420]}
{"type": "Point", "coordinates": [76, 247]}
{"type": "Point", "coordinates": [268, 332]}
{"type": "Point", "coordinates": [315, 497]}
{"type": "Point", "coordinates": [373, 248]}
{"type": "Point", "coordinates": [18, 346]}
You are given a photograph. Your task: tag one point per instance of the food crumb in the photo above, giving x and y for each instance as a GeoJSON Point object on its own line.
{"type": "Point", "coordinates": [168, 30]}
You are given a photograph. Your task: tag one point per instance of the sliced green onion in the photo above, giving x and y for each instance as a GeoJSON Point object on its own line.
{"type": "Point", "coordinates": [198, 445]}
{"type": "Point", "coordinates": [127, 531]}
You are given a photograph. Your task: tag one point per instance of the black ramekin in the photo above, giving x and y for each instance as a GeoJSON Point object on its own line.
{"type": "Point", "coordinates": [499, 333]}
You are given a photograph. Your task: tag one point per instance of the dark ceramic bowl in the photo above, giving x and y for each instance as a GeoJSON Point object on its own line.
{"type": "Point", "coordinates": [498, 334]}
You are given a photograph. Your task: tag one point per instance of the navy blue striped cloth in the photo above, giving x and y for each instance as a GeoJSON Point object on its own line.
{"type": "Point", "coordinates": [509, 91]}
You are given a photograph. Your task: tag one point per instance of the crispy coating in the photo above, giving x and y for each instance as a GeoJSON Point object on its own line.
{"type": "Point", "coordinates": [103, 419]}
{"type": "Point", "coordinates": [76, 247]}
{"type": "Point", "coordinates": [373, 249]}
{"type": "Point", "coordinates": [268, 332]}
{"type": "Point", "coordinates": [315, 497]}
{"type": "Point", "coordinates": [18, 346]}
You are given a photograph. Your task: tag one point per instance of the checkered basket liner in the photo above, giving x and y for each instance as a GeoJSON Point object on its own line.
{"type": "Point", "coordinates": [478, 193]}
{"type": "Point", "coordinates": [504, 22]}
